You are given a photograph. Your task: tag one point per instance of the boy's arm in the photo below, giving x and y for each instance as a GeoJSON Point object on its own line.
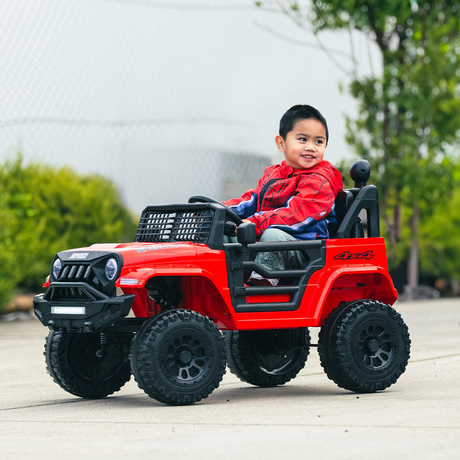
{"type": "Point", "coordinates": [313, 203]}
{"type": "Point", "coordinates": [246, 206]}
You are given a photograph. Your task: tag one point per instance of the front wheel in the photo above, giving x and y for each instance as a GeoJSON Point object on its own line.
{"type": "Point", "coordinates": [89, 365]}
{"type": "Point", "coordinates": [267, 358]}
{"type": "Point", "coordinates": [364, 346]}
{"type": "Point", "coordinates": [178, 357]}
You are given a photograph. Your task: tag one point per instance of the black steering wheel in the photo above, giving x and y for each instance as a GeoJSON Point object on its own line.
{"type": "Point", "coordinates": [232, 215]}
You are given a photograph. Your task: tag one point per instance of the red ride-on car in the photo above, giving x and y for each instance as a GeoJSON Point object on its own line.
{"type": "Point", "coordinates": [173, 307]}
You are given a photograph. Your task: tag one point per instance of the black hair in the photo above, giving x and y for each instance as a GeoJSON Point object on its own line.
{"type": "Point", "coordinates": [300, 112]}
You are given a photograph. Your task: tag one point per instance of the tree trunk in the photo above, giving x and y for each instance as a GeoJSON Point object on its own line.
{"type": "Point", "coordinates": [413, 265]}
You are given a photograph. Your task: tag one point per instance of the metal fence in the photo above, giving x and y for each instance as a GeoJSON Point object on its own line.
{"type": "Point", "coordinates": [132, 90]}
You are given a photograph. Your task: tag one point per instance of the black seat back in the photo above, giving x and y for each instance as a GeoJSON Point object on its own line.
{"type": "Point", "coordinates": [343, 202]}
{"type": "Point", "coordinates": [350, 203]}
{"type": "Point", "coordinates": [351, 225]}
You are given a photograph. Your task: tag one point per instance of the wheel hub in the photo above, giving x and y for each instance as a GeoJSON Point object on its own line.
{"type": "Point", "coordinates": [373, 345]}
{"type": "Point", "coordinates": [184, 357]}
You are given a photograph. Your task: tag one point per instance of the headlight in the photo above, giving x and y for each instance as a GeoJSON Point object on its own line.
{"type": "Point", "coordinates": [57, 268]}
{"type": "Point", "coordinates": [111, 268]}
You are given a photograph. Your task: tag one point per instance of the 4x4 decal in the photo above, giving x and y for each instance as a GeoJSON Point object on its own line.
{"type": "Point", "coordinates": [347, 255]}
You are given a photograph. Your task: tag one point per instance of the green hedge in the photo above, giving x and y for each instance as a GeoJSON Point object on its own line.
{"type": "Point", "coordinates": [44, 210]}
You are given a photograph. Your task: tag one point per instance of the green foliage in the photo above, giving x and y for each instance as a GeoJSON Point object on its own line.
{"type": "Point", "coordinates": [44, 210]}
{"type": "Point", "coordinates": [7, 283]}
{"type": "Point", "coordinates": [440, 240]}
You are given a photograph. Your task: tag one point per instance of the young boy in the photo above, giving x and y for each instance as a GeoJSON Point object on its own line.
{"type": "Point", "coordinates": [293, 200]}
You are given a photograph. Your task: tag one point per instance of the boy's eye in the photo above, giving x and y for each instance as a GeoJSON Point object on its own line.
{"type": "Point", "coordinates": [303, 139]}
{"type": "Point", "coordinates": [319, 141]}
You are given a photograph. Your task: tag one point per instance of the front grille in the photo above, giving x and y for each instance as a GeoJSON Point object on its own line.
{"type": "Point", "coordinates": [161, 226]}
{"type": "Point", "coordinates": [80, 272]}
{"type": "Point", "coordinates": [83, 274]}
{"type": "Point", "coordinates": [75, 273]}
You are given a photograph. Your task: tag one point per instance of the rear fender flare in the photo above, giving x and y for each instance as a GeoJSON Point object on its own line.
{"type": "Point", "coordinates": [347, 284]}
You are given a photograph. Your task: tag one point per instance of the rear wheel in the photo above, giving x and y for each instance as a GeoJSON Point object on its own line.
{"type": "Point", "coordinates": [179, 357]}
{"type": "Point", "coordinates": [90, 365]}
{"type": "Point", "coordinates": [364, 346]}
{"type": "Point", "coordinates": [267, 358]}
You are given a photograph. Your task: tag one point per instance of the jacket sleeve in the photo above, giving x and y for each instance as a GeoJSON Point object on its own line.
{"type": "Point", "coordinates": [313, 203]}
{"type": "Point", "coordinates": [244, 206]}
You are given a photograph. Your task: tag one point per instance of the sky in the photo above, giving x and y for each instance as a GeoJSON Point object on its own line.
{"type": "Point", "coordinates": [118, 86]}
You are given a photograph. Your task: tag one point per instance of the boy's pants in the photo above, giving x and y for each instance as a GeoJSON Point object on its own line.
{"type": "Point", "coordinates": [279, 260]}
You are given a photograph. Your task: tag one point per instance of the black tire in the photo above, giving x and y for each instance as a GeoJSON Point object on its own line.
{"type": "Point", "coordinates": [76, 363]}
{"type": "Point", "coordinates": [178, 357]}
{"type": "Point", "coordinates": [266, 358]}
{"type": "Point", "coordinates": [325, 336]}
{"type": "Point", "coordinates": [364, 346]}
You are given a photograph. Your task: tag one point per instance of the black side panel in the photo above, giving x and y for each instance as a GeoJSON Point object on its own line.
{"type": "Point", "coordinates": [239, 265]}
{"type": "Point", "coordinates": [343, 203]}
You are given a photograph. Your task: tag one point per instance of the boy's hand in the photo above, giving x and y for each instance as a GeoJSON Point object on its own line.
{"type": "Point", "coordinates": [242, 222]}
{"type": "Point", "coordinates": [229, 228]}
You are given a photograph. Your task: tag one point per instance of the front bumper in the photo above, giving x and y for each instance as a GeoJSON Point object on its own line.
{"type": "Point", "coordinates": [90, 313]}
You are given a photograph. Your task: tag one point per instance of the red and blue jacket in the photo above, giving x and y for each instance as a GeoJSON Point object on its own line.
{"type": "Point", "coordinates": [297, 201]}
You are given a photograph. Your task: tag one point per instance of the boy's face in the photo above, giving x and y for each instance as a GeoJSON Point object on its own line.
{"type": "Point", "coordinates": [304, 146]}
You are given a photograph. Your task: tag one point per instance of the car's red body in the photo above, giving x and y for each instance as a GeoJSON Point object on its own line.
{"type": "Point", "coordinates": [355, 269]}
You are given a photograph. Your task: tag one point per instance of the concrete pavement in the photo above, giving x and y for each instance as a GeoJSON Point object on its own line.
{"type": "Point", "coordinates": [310, 417]}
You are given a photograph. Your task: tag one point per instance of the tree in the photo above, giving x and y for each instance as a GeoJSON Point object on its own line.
{"type": "Point", "coordinates": [440, 238]}
{"type": "Point", "coordinates": [409, 117]}
{"type": "Point", "coordinates": [44, 210]}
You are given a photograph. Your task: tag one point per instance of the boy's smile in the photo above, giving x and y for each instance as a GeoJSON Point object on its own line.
{"type": "Point", "coordinates": [304, 146]}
